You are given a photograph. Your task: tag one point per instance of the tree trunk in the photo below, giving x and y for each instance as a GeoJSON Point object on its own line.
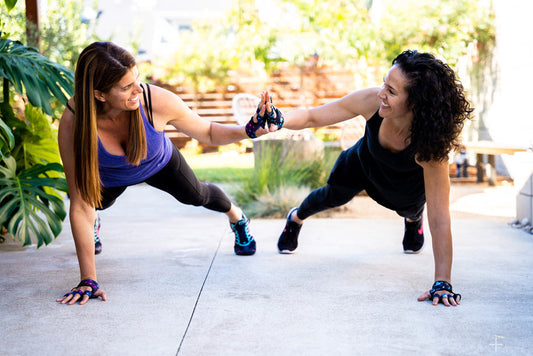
{"type": "Point", "coordinates": [32, 23]}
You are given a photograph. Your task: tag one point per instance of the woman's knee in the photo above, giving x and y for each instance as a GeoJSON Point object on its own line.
{"type": "Point", "coordinates": [197, 199]}
{"type": "Point", "coordinates": [337, 195]}
{"type": "Point", "coordinates": [202, 196]}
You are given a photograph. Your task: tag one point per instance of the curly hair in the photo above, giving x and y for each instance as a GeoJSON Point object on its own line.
{"type": "Point", "coordinates": [439, 105]}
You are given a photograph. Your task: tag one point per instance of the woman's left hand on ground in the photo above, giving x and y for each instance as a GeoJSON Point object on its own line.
{"type": "Point", "coordinates": [441, 292]}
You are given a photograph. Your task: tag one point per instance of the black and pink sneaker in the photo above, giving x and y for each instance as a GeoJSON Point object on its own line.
{"type": "Point", "coordinates": [288, 240]}
{"type": "Point", "coordinates": [413, 238]}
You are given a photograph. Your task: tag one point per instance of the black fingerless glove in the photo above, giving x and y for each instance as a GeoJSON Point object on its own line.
{"type": "Point", "coordinates": [274, 117]}
{"type": "Point", "coordinates": [440, 286]}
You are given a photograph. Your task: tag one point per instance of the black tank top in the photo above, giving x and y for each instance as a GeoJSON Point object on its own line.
{"type": "Point", "coordinates": [392, 179]}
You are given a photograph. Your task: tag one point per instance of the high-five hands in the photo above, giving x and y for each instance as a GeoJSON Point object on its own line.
{"type": "Point", "coordinates": [267, 118]}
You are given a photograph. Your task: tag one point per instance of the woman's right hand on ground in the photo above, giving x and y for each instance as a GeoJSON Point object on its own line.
{"type": "Point", "coordinates": [441, 292]}
{"type": "Point", "coordinates": [74, 296]}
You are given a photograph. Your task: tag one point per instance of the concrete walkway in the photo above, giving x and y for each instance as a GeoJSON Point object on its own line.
{"type": "Point", "coordinates": [175, 287]}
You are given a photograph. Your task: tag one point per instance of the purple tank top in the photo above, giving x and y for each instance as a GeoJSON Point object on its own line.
{"type": "Point", "coordinates": [115, 171]}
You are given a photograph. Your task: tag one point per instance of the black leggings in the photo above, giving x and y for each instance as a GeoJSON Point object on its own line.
{"type": "Point", "coordinates": [327, 197]}
{"type": "Point", "coordinates": [178, 179]}
{"type": "Point", "coordinates": [331, 196]}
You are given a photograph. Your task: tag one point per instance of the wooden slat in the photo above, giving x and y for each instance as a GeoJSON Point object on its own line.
{"type": "Point", "coordinates": [214, 112]}
{"type": "Point", "coordinates": [206, 96]}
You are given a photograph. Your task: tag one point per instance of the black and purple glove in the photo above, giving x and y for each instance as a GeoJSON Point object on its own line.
{"type": "Point", "coordinates": [274, 117]}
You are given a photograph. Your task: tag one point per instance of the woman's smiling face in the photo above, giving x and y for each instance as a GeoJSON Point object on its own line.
{"type": "Point", "coordinates": [125, 93]}
{"type": "Point", "coordinates": [393, 95]}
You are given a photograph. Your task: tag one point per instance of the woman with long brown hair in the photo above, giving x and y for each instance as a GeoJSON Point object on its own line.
{"type": "Point", "coordinates": [111, 136]}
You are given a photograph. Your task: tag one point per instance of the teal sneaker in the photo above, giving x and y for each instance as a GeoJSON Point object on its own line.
{"type": "Point", "coordinates": [97, 242]}
{"type": "Point", "coordinates": [244, 242]}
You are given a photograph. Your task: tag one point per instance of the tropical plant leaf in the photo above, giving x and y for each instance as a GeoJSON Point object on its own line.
{"type": "Point", "coordinates": [34, 74]}
{"type": "Point", "coordinates": [39, 140]}
{"type": "Point", "coordinates": [10, 4]}
{"type": "Point", "coordinates": [7, 140]}
{"type": "Point", "coordinates": [24, 203]}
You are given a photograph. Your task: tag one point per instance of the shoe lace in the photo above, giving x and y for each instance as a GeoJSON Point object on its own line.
{"type": "Point", "coordinates": [242, 234]}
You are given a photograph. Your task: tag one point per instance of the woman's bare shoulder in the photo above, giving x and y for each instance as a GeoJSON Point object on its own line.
{"type": "Point", "coordinates": [66, 123]}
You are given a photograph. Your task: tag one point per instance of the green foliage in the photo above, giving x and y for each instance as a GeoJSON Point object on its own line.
{"type": "Point", "coordinates": [63, 32]}
{"type": "Point", "coordinates": [8, 124]}
{"type": "Point", "coordinates": [22, 196]}
{"type": "Point", "coordinates": [35, 137]}
{"type": "Point", "coordinates": [206, 55]}
{"type": "Point", "coordinates": [252, 37]}
{"type": "Point", "coordinates": [446, 28]}
{"type": "Point", "coordinates": [275, 204]}
{"type": "Point", "coordinates": [7, 140]}
{"type": "Point", "coordinates": [12, 23]}
{"type": "Point", "coordinates": [10, 4]}
{"type": "Point", "coordinates": [357, 35]}
{"type": "Point", "coordinates": [31, 177]}
{"type": "Point", "coordinates": [34, 74]}
{"type": "Point", "coordinates": [354, 36]}
{"type": "Point", "coordinates": [222, 174]}
{"type": "Point", "coordinates": [199, 63]}
{"type": "Point", "coordinates": [277, 171]}
{"type": "Point", "coordinates": [340, 32]}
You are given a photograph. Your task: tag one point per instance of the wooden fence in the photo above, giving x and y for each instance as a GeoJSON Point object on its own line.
{"type": "Point", "coordinates": [290, 89]}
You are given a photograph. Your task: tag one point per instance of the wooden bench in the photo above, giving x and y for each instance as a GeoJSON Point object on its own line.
{"type": "Point", "coordinates": [490, 149]}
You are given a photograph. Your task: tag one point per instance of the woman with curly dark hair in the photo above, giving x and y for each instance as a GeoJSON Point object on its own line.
{"type": "Point", "coordinates": [412, 123]}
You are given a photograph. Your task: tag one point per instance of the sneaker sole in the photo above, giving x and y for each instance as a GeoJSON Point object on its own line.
{"type": "Point", "coordinates": [287, 252]}
{"type": "Point", "coordinates": [245, 253]}
{"type": "Point", "coordinates": [411, 252]}
{"type": "Point", "coordinates": [242, 252]}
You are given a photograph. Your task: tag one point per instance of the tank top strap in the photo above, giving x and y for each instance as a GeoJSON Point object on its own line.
{"type": "Point", "coordinates": [147, 95]}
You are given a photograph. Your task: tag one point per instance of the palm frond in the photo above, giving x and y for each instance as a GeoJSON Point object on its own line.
{"type": "Point", "coordinates": [7, 140]}
{"type": "Point", "coordinates": [34, 74]}
{"type": "Point", "coordinates": [23, 197]}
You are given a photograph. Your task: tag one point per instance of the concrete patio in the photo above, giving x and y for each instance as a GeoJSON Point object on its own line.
{"type": "Point", "coordinates": [175, 286]}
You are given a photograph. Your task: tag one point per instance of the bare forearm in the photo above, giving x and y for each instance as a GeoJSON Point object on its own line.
{"type": "Point", "coordinates": [83, 233]}
{"type": "Point", "coordinates": [442, 252]}
{"type": "Point", "coordinates": [220, 134]}
{"type": "Point", "coordinates": [297, 119]}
